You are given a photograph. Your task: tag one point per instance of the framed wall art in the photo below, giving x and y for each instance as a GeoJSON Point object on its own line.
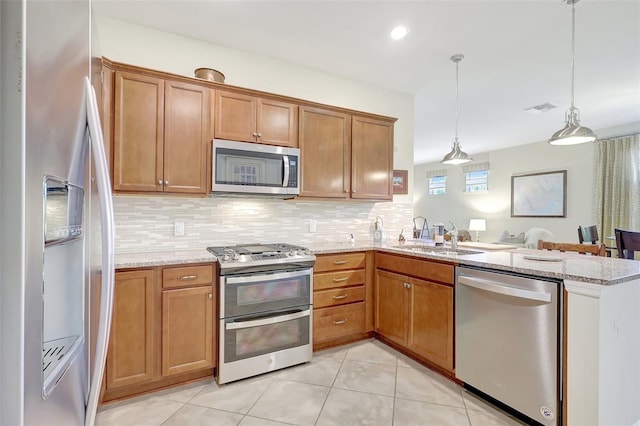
{"type": "Point", "coordinates": [539, 194]}
{"type": "Point", "coordinates": [400, 184]}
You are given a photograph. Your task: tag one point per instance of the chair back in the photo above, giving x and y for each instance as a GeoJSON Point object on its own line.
{"type": "Point", "coordinates": [627, 243]}
{"type": "Point", "coordinates": [588, 234]}
{"type": "Point", "coordinates": [594, 249]}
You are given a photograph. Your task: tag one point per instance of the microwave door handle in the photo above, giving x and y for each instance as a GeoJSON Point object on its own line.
{"type": "Point", "coordinates": [285, 179]}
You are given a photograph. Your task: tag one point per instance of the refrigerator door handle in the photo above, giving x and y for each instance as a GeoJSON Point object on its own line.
{"type": "Point", "coordinates": [108, 250]}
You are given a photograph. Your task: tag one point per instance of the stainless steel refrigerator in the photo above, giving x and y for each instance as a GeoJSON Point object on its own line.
{"type": "Point", "coordinates": [56, 217]}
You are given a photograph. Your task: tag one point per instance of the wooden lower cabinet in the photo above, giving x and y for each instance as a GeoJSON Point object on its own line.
{"type": "Point", "coordinates": [135, 328]}
{"type": "Point", "coordinates": [163, 329]}
{"type": "Point", "coordinates": [416, 313]}
{"type": "Point", "coordinates": [188, 336]}
{"type": "Point", "coordinates": [342, 298]}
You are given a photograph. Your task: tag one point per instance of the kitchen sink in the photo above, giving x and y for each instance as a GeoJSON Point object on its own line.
{"type": "Point", "coordinates": [438, 250]}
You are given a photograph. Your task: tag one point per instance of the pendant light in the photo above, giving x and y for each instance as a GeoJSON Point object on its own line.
{"type": "Point", "coordinates": [456, 156]}
{"type": "Point", "coordinates": [572, 133]}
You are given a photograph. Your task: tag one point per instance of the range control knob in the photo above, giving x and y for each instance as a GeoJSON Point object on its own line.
{"type": "Point", "coordinates": [225, 257]}
{"type": "Point", "coordinates": [307, 251]}
{"type": "Point", "coordinates": [291, 253]}
{"type": "Point", "coordinates": [235, 256]}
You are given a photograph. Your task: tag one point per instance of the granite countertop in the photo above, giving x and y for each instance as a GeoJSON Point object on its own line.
{"type": "Point", "coordinates": [568, 266]}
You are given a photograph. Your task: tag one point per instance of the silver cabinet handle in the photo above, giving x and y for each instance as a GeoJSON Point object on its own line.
{"type": "Point", "coordinates": [259, 134]}
{"type": "Point", "coordinates": [407, 285]}
{"type": "Point", "coordinates": [166, 182]}
{"type": "Point", "coordinates": [255, 134]}
{"type": "Point", "coordinates": [338, 280]}
{"type": "Point", "coordinates": [210, 296]}
{"type": "Point", "coordinates": [342, 296]}
{"type": "Point", "coordinates": [159, 181]}
{"type": "Point", "coordinates": [342, 321]}
{"type": "Point", "coordinates": [340, 262]}
{"type": "Point", "coordinates": [187, 277]}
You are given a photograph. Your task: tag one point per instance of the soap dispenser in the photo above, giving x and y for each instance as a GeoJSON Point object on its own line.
{"type": "Point", "coordinates": [379, 234]}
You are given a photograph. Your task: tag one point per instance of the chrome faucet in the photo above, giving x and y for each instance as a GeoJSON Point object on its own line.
{"type": "Point", "coordinates": [454, 235]}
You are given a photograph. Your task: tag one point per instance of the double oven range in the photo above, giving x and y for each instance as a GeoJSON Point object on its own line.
{"type": "Point", "coordinates": [265, 306]}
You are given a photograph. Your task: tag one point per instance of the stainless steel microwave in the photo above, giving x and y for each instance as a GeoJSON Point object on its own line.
{"type": "Point", "coordinates": [251, 168]}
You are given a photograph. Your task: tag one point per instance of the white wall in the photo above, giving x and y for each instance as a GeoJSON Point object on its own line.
{"type": "Point", "coordinates": [495, 205]}
{"type": "Point", "coordinates": [124, 42]}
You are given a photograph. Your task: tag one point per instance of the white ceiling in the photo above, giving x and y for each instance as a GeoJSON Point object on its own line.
{"type": "Point", "coordinates": [517, 55]}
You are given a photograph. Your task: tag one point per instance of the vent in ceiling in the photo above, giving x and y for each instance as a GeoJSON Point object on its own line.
{"type": "Point", "coordinates": [537, 109]}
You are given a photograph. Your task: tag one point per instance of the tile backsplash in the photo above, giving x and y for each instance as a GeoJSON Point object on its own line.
{"type": "Point", "coordinates": [147, 223]}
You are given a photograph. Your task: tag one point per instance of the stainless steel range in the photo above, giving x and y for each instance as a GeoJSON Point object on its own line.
{"type": "Point", "coordinates": [265, 308]}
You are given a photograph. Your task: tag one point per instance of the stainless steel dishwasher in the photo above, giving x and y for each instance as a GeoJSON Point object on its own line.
{"type": "Point", "coordinates": [508, 340]}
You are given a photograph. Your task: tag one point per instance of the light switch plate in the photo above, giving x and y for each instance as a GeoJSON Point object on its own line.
{"type": "Point", "coordinates": [178, 229]}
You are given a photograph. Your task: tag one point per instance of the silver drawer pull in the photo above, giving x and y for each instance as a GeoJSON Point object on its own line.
{"type": "Point", "coordinates": [337, 280]}
{"type": "Point", "coordinates": [340, 297]}
{"type": "Point", "coordinates": [339, 322]}
{"type": "Point", "coordinates": [340, 262]}
{"type": "Point", "coordinates": [187, 277]}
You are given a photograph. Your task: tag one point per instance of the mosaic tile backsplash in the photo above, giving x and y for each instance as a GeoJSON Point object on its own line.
{"type": "Point", "coordinates": [146, 224]}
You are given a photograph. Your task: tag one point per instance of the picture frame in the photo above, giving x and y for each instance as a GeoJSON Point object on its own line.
{"type": "Point", "coordinates": [400, 182]}
{"type": "Point", "coordinates": [541, 194]}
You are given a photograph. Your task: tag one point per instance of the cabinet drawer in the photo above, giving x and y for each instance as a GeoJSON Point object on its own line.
{"type": "Point", "coordinates": [337, 279]}
{"type": "Point", "coordinates": [338, 296]}
{"type": "Point", "coordinates": [420, 268]}
{"type": "Point", "coordinates": [333, 323]}
{"type": "Point", "coordinates": [336, 262]}
{"type": "Point", "coordinates": [187, 276]}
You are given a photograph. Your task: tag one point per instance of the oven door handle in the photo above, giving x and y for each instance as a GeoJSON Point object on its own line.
{"type": "Point", "coordinates": [267, 321]}
{"type": "Point", "coordinates": [261, 276]}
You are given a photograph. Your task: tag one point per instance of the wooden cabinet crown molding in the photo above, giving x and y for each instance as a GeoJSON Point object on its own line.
{"type": "Point", "coordinates": [240, 90]}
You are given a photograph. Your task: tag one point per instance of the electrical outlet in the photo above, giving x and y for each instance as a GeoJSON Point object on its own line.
{"type": "Point", "coordinates": [178, 229]}
{"type": "Point", "coordinates": [313, 224]}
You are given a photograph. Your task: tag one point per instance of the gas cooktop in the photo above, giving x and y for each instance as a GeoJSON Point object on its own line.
{"type": "Point", "coordinates": [260, 254]}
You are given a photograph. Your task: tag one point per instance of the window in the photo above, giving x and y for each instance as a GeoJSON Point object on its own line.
{"type": "Point", "coordinates": [437, 182]}
{"type": "Point", "coordinates": [438, 185]}
{"type": "Point", "coordinates": [476, 177]}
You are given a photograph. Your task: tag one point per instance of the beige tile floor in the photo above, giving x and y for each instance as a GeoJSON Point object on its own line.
{"type": "Point", "coordinates": [365, 383]}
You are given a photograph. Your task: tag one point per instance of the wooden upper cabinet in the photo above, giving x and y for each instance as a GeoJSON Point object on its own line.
{"type": "Point", "coordinates": [371, 159]}
{"type": "Point", "coordinates": [161, 133]}
{"type": "Point", "coordinates": [187, 134]}
{"type": "Point", "coordinates": [325, 153]}
{"type": "Point", "coordinates": [248, 118]}
{"type": "Point", "coordinates": [138, 133]}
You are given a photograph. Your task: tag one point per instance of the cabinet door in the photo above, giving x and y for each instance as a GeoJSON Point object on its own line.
{"type": "Point", "coordinates": [325, 151]}
{"type": "Point", "coordinates": [187, 132]}
{"type": "Point", "coordinates": [391, 306]}
{"type": "Point", "coordinates": [235, 117]}
{"type": "Point", "coordinates": [371, 159]}
{"type": "Point", "coordinates": [187, 330]}
{"type": "Point", "coordinates": [431, 324]}
{"type": "Point", "coordinates": [132, 342]}
{"type": "Point", "coordinates": [277, 123]}
{"type": "Point", "coordinates": [138, 133]}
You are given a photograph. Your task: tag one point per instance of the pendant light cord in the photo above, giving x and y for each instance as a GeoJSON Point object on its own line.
{"type": "Point", "coordinates": [457, 63]}
{"type": "Point", "coordinates": [573, 50]}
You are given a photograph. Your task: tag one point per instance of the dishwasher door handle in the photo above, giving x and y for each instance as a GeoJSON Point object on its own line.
{"type": "Point", "coordinates": [497, 287]}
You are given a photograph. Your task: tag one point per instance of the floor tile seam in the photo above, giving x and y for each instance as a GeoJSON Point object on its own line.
{"type": "Point", "coordinates": [288, 379]}
{"type": "Point", "coordinates": [267, 419]}
{"type": "Point", "coordinates": [173, 414]}
{"type": "Point", "coordinates": [363, 392]}
{"type": "Point", "coordinates": [433, 403]}
{"type": "Point", "coordinates": [372, 362]}
{"type": "Point", "coordinates": [215, 408]}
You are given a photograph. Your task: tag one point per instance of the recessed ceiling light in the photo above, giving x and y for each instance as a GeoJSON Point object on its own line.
{"type": "Point", "coordinates": [399, 32]}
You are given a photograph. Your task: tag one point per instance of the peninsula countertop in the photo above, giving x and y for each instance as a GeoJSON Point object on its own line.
{"type": "Point", "coordinates": [567, 266]}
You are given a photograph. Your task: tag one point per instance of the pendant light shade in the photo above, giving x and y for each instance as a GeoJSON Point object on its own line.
{"type": "Point", "coordinates": [572, 133]}
{"type": "Point", "coordinates": [457, 155]}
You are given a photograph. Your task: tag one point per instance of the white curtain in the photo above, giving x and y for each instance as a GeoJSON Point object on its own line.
{"type": "Point", "coordinates": [617, 184]}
